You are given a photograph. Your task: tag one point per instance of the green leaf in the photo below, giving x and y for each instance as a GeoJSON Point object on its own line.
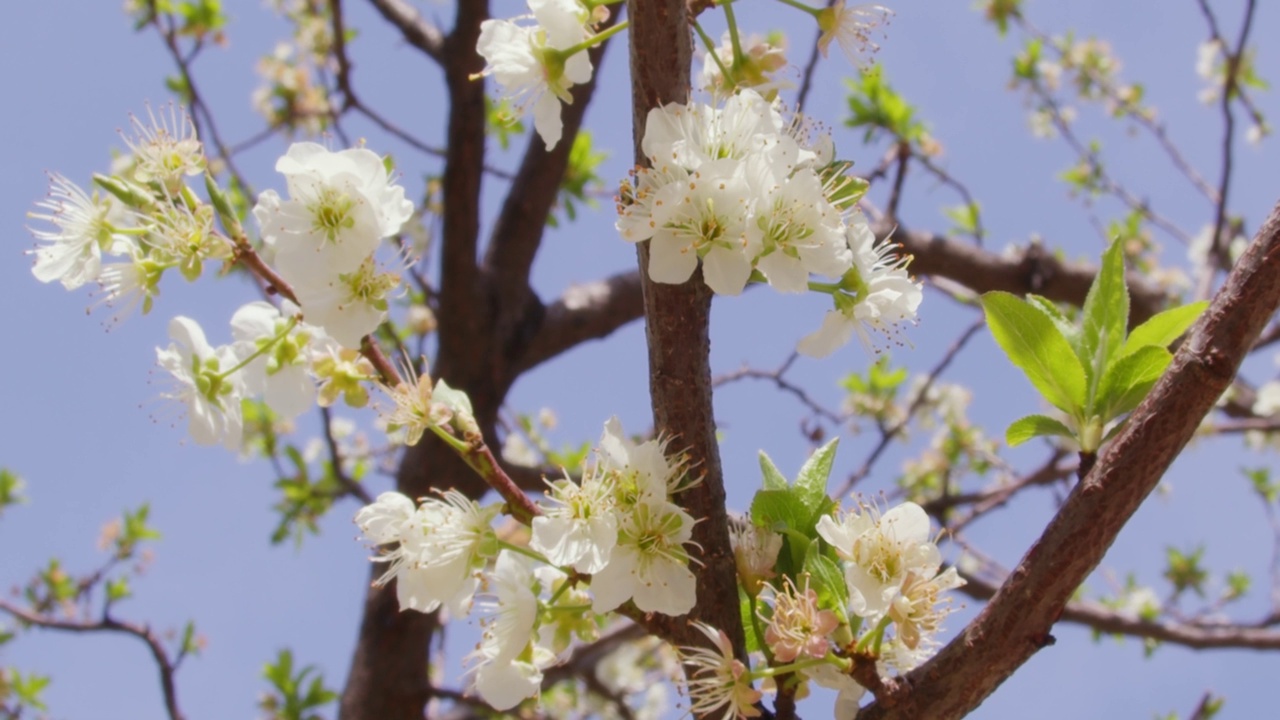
{"type": "Point", "coordinates": [1163, 328]}
{"type": "Point", "coordinates": [811, 483]}
{"type": "Point", "coordinates": [1106, 315]}
{"type": "Point", "coordinates": [1035, 345]}
{"type": "Point", "coordinates": [1129, 380]}
{"type": "Point", "coordinates": [778, 510]}
{"type": "Point", "coordinates": [773, 479]}
{"type": "Point", "coordinates": [1023, 429]}
{"type": "Point", "coordinates": [1065, 325]}
{"type": "Point", "coordinates": [826, 579]}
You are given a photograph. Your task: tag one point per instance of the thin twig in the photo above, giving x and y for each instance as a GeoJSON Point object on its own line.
{"type": "Point", "coordinates": [888, 434]}
{"type": "Point", "coordinates": [164, 664]}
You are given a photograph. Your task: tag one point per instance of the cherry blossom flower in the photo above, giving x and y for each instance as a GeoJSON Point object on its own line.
{"type": "Point", "coordinates": [340, 207]}
{"type": "Point", "coordinates": [850, 26]}
{"type": "Point", "coordinates": [442, 548]}
{"type": "Point", "coordinates": [798, 627]}
{"type": "Point", "coordinates": [529, 65]}
{"type": "Point", "coordinates": [509, 670]}
{"type": "Point", "coordinates": [206, 382]}
{"type": "Point", "coordinates": [167, 149]}
{"type": "Point", "coordinates": [84, 227]}
{"type": "Point", "coordinates": [880, 552]}
{"type": "Point", "coordinates": [348, 305]}
{"type": "Point", "coordinates": [755, 552]}
{"type": "Point", "coordinates": [883, 296]}
{"type": "Point", "coordinates": [581, 529]}
{"type": "Point", "coordinates": [762, 59]}
{"type": "Point", "coordinates": [637, 472]}
{"type": "Point", "coordinates": [281, 374]}
{"type": "Point", "coordinates": [649, 564]}
{"type": "Point", "coordinates": [719, 680]}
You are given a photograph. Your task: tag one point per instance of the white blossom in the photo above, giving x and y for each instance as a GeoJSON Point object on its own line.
{"type": "Point", "coordinates": [204, 383]}
{"type": "Point", "coordinates": [167, 149]}
{"type": "Point", "coordinates": [879, 552]}
{"type": "Point", "coordinates": [340, 207]}
{"type": "Point", "coordinates": [509, 670]}
{"type": "Point", "coordinates": [348, 305]}
{"type": "Point", "coordinates": [84, 227]}
{"type": "Point", "coordinates": [281, 374]}
{"type": "Point", "coordinates": [581, 528]}
{"type": "Point", "coordinates": [525, 62]}
{"type": "Point", "coordinates": [717, 680]}
{"type": "Point", "coordinates": [442, 548]}
{"type": "Point", "coordinates": [851, 26]}
{"type": "Point", "coordinates": [883, 296]}
{"type": "Point", "coordinates": [649, 565]}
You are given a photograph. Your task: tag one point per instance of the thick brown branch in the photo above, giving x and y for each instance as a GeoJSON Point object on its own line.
{"type": "Point", "coordinates": [584, 312]}
{"type": "Point", "coordinates": [1017, 621]}
{"type": "Point", "coordinates": [677, 318]}
{"type": "Point", "coordinates": [415, 30]}
{"type": "Point", "coordinates": [1036, 271]}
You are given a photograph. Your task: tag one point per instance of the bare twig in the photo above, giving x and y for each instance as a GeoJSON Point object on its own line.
{"type": "Point", "coordinates": [164, 664]}
{"type": "Point", "coordinates": [887, 435]}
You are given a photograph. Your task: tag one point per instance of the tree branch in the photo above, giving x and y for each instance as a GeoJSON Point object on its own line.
{"type": "Point", "coordinates": [520, 226]}
{"type": "Point", "coordinates": [1036, 271]}
{"type": "Point", "coordinates": [1195, 636]}
{"type": "Point", "coordinates": [1016, 623]}
{"type": "Point", "coordinates": [166, 666]}
{"type": "Point", "coordinates": [679, 344]}
{"type": "Point", "coordinates": [415, 30]}
{"type": "Point", "coordinates": [584, 312]}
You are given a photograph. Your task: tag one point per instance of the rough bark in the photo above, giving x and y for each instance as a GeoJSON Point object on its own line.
{"type": "Point", "coordinates": [677, 321]}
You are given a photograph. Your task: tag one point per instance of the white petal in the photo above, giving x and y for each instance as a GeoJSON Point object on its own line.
{"type": "Point", "coordinates": [835, 333]}
{"type": "Point", "coordinates": [546, 119]}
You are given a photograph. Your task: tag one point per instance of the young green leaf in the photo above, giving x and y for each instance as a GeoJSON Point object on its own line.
{"type": "Point", "coordinates": [778, 510]}
{"type": "Point", "coordinates": [1106, 315]}
{"type": "Point", "coordinates": [811, 483]}
{"type": "Point", "coordinates": [827, 580]}
{"type": "Point", "coordinates": [1034, 344]}
{"type": "Point", "coordinates": [1130, 379]}
{"type": "Point", "coordinates": [1163, 328]}
{"type": "Point", "coordinates": [773, 479]}
{"type": "Point", "coordinates": [1065, 325]}
{"type": "Point", "coordinates": [1023, 429]}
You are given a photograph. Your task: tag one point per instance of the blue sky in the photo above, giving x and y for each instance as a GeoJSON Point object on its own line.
{"type": "Point", "coordinates": [79, 402]}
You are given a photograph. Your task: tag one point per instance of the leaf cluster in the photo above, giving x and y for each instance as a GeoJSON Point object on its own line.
{"type": "Point", "coordinates": [1094, 371]}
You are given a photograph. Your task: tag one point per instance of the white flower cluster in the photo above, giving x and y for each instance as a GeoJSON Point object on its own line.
{"type": "Point", "coordinates": [273, 356]}
{"type": "Point", "coordinates": [891, 570]}
{"type": "Point", "coordinates": [619, 525]}
{"type": "Point", "coordinates": [537, 64]}
{"type": "Point", "coordinates": [321, 241]}
{"type": "Point", "coordinates": [163, 227]}
{"type": "Point", "coordinates": [743, 189]}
